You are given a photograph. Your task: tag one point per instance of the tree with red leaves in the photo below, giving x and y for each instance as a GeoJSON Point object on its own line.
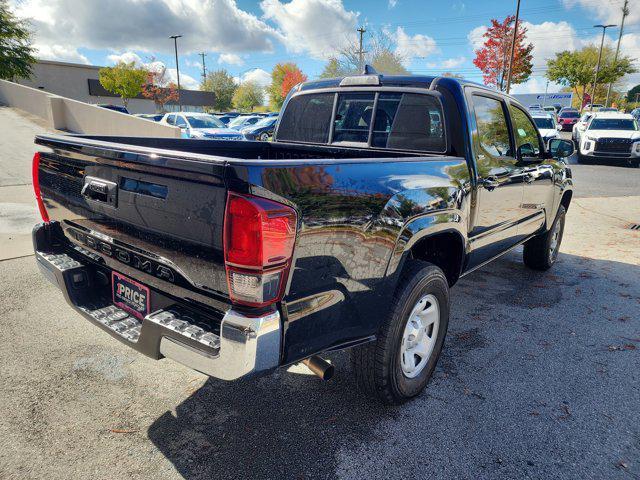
{"type": "Point", "coordinates": [279, 89]}
{"type": "Point", "coordinates": [158, 88]}
{"type": "Point", "coordinates": [493, 57]}
{"type": "Point", "coordinates": [290, 80]}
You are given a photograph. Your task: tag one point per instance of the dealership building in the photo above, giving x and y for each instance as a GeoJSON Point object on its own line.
{"type": "Point", "coordinates": [80, 82]}
{"type": "Point", "coordinates": [563, 99]}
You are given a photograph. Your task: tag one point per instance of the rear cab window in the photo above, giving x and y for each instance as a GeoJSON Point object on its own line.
{"type": "Point", "coordinates": [307, 118]}
{"type": "Point", "coordinates": [382, 120]}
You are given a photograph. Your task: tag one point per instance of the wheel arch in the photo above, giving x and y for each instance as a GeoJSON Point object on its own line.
{"type": "Point", "coordinates": [438, 239]}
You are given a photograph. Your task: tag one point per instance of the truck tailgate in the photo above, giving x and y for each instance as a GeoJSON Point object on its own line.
{"type": "Point", "coordinates": [153, 214]}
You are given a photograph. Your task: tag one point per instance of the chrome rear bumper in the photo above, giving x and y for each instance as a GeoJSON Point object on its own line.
{"type": "Point", "coordinates": [228, 348]}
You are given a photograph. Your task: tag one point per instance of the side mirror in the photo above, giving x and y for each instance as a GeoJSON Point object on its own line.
{"type": "Point", "coordinates": [560, 148]}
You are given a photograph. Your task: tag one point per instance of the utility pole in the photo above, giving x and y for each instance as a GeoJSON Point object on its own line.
{"type": "Point", "coordinates": [625, 12]}
{"type": "Point", "coordinates": [595, 79]}
{"type": "Point", "coordinates": [361, 52]}
{"type": "Point", "coordinates": [175, 44]}
{"type": "Point", "coordinates": [204, 67]}
{"type": "Point", "coordinates": [513, 47]}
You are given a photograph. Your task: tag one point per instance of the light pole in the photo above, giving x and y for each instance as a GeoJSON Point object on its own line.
{"type": "Point", "coordinates": [513, 47]}
{"type": "Point", "coordinates": [175, 44]}
{"type": "Point", "coordinates": [595, 79]}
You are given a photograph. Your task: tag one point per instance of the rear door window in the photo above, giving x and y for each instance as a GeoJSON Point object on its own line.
{"type": "Point", "coordinates": [493, 133]}
{"type": "Point", "coordinates": [307, 118]}
{"type": "Point", "coordinates": [409, 121]}
{"type": "Point", "coordinates": [353, 117]}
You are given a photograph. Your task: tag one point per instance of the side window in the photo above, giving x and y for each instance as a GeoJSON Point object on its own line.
{"type": "Point", "coordinates": [353, 117]}
{"type": "Point", "coordinates": [493, 133]}
{"type": "Point", "coordinates": [307, 118]}
{"type": "Point", "coordinates": [181, 122]}
{"type": "Point", "coordinates": [526, 133]}
{"type": "Point", "coordinates": [408, 121]}
{"type": "Point", "coordinates": [171, 119]}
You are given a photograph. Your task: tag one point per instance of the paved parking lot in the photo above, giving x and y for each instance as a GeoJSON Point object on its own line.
{"type": "Point", "coordinates": [539, 378]}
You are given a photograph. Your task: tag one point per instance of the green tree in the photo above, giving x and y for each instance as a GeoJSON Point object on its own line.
{"type": "Point", "coordinates": [577, 69]}
{"type": "Point", "coordinates": [334, 68]}
{"type": "Point", "coordinates": [125, 80]}
{"type": "Point", "coordinates": [248, 96]}
{"type": "Point", "coordinates": [278, 74]}
{"type": "Point", "coordinates": [221, 83]}
{"type": "Point", "coordinates": [16, 52]}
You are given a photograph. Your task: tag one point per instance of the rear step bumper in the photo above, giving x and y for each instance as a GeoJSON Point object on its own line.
{"type": "Point", "coordinates": [241, 346]}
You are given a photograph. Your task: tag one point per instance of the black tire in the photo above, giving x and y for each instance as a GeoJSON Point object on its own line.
{"type": "Point", "coordinates": [377, 365]}
{"type": "Point", "coordinates": [538, 253]}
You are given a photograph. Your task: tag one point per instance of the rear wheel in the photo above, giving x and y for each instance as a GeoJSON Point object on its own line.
{"type": "Point", "coordinates": [398, 365]}
{"type": "Point", "coordinates": [264, 137]}
{"type": "Point", "coordinates": [541, 252]}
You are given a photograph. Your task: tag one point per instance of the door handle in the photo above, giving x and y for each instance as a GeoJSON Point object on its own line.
{"type": "Point", "coordinates": [490, 183]}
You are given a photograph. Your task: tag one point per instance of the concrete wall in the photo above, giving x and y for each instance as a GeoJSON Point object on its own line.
{"type": "Point", "coordinates": [78, 117]}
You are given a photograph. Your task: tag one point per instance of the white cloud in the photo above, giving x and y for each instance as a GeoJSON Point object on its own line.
{"type": "Point", "coordinates": [606, 11]}
{"type": "Point", "coordinates": [476, 37]}
{"type": "Point", "coordinates": [231, 59]}
{"type": "Point", "coordinates": [126, 57]}
{"type": "Point", "coordinates": [144, 25]}
{"type": "Point", "coordinates": [257, 75]}
{"type": "Point", "coordinates": [318, 27]}
{"type": "Point", "coordinates": [549, 38]}
{"type": "Point", "coordinates": [61, 53]}
{"type": "Point", "coordinates": [186, 81]}
{"type": "Point", "coordinates": [412, 46]}
{"type": "Point", "coordinates": [393, 3]}
{"type": "Point", "coordinates": [536, 85]}
{"type": "Point", "coordinates": [630, 42]}
{"type": "Point", "coordinates": [448, 63]}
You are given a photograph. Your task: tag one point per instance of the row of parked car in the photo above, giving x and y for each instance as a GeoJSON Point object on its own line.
{"type": "Point", "coordinates": [600, 133]}
{"type": "Point", "coordinates": [220, 126]}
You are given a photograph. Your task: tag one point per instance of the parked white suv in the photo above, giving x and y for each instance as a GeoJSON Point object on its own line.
{"type": "Point", "coordinates": [612, 136]}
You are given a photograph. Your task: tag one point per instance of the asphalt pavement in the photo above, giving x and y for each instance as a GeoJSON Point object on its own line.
{"type": "Point", "coordinates": [538, 379]}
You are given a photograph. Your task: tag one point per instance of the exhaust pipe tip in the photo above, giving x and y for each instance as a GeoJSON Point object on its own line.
{"type": "Point", "coordinates": [319, 367]}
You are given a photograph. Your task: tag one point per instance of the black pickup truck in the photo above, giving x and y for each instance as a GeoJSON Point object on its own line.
{"type": "Point", "coordinates": [347, 231]}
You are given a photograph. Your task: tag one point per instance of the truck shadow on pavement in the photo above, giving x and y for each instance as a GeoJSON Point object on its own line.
{"type": "Point", "coordinates": [532, 361]}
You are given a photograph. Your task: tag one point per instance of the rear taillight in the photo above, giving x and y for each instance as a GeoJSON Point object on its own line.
{"type": "Point", "coordinates": [35, 166]}
{"type": "Point", "coordinates": [259, 236]}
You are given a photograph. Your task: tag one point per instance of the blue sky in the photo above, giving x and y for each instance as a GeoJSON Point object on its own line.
{"type": "Point", "coordinates": [248, 37]}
